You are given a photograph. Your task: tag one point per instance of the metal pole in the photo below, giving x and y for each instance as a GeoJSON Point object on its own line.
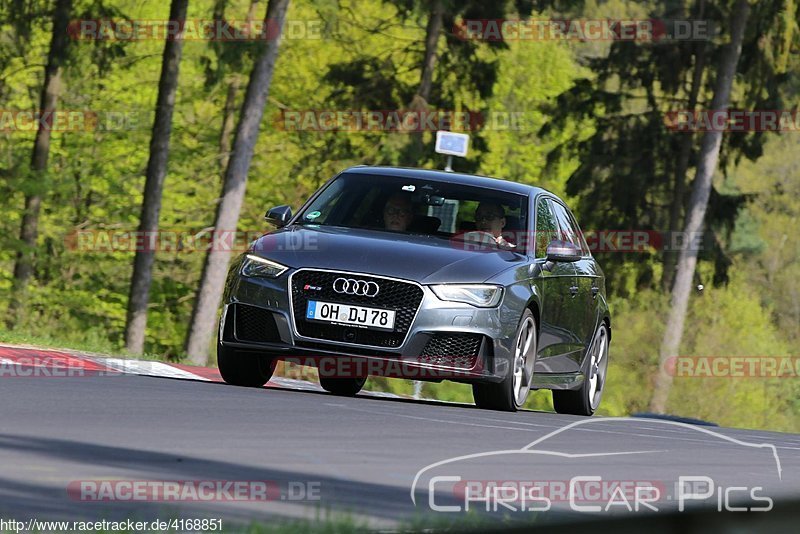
{"type": "Point", "coordinates": [449, 167]}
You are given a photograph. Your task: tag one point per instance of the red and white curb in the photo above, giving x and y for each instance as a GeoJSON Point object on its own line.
{"type": "Point", "coordinates": [26, 361]}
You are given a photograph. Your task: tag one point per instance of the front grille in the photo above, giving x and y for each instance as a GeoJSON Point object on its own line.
{"type": "Point", "coordinates": [403, 297]}
{"type": "Point", "coordinates": [255, 324]}
{"type": "Point", "coordinates": [452, 350]}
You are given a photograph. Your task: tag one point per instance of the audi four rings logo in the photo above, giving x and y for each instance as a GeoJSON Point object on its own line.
{"type": "Point", "coordinates": [350, 286]}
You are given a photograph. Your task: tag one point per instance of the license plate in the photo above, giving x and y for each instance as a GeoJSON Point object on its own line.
{"type": "Point", "coordinates": [347, 314]}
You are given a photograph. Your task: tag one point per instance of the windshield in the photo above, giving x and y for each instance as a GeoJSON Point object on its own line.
{"type": "Point", "coordinates": [417, 206]}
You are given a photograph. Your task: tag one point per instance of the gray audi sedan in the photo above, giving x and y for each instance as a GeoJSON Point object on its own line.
{"type": "Point", "coordinates": [426, 275]}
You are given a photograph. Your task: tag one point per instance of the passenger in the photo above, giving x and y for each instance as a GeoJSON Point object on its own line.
{"type": "Point", "coordinates": [490, 217]}
{"type": "Point", "coordinates": [398, 212]}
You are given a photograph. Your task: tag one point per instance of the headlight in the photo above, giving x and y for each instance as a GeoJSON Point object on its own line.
{"type": "Point", "coordinates": [257, 267]}
{"type": "Point", "coordinates": [480, 295]}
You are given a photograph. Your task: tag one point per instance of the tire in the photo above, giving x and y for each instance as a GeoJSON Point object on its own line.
{"type": "Point", "coordinates": [344, 387]}
{"type": "Point", "coordinates": [510, 394]}
{"type": "Point", "coordinates": [584, 401]}
{"type": "Point", "coordinates": [244, 369]}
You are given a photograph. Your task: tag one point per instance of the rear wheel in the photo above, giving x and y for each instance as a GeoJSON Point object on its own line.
{"type": "Point", "coordinates": [244, 369]}
{"type": "Point", "coordinates": [584, 401]}
{"type": "Point", "coordinates": [510, 394]}
{"type": "Point", "coordinates": [345, 387]}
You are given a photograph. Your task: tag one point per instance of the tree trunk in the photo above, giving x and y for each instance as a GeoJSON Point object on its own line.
{"type": "Point", "coordinates": [136, 321]}
{"type": "Point", "coordinates": [701, 190]}
{"type": "Point", "coordinates": [204, 315]}
{"type": "Point", "coordinates": [228, 124]}
{"type": "Point", "coordinates": [251, 12]}
{"type": "Point", "coordinates": [422, 97]}
{"type": "Point", "coordinates": [432, 32]}
{"type": "Point", "coordinates": [670, 255]}
{"type": "Point", "coordinates": [229, 112]}
{"type": "Point", "coordinates": [29, 229]}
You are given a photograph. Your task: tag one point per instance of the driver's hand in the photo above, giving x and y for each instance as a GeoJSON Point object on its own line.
{"type": "Point", "coordinates": [501, 241]}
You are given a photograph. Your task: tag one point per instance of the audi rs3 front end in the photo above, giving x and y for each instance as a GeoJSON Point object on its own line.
{"type": "Point", "coordinates": [425, 275]}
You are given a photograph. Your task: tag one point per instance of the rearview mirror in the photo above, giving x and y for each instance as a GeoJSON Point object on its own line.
{"type": "Point", "coordinates": [559, 250]}
{"type": "Point", "coordinates": [434, 200]}
{"type": "Point", "coordinates": [279, 215]}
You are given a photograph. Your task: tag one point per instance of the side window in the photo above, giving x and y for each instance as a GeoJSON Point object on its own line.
{"type": "Point", "coordinates": [546, 227]}
{"type": "Point", "coordinates": [568, 229]}
{"type": "Point", "coordinates": [324, 206]}
{"type": "Point", "coordinates": [581, 239]}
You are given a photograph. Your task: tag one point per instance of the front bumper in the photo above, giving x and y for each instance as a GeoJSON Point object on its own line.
{"type": "Point", "coordinates": [443, 340]}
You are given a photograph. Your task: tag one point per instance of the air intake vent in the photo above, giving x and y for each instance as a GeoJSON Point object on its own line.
{"type": "Point", "coordinates": [255, 324]}
{"type": "Point", "coordinates": [452, 350]}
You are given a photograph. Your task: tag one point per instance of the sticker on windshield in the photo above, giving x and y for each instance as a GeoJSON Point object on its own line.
{"type": "Point", "coordinates": [313, 215]}
{"type": "Point", "coordinates": [410, 188]}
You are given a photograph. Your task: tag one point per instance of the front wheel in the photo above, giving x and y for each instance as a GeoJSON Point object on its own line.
{"type": "Point", "coordinates": [344, 387]}
{"type": "Point", "coordinates": [243, 369]}
{"type": "Point", "coordinates": [510, 394]}
{"type": "Point", "coordinates": [584, 401]}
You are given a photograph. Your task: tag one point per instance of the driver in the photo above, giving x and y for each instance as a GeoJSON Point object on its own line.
{"type": "Point", "coordinates": [398, 212]}
{"type": "Point", "coordinates": [490, 217]}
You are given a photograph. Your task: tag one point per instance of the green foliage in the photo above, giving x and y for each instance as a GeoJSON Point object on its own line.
{"type": "Point", "coordinates": [723, 322]}
{"type": "Point", "coordinates": [527, 84]}
{"type": "Point", "coordinates": [629, 163]}
{"type": "Point", "coordinates": [734, 323]}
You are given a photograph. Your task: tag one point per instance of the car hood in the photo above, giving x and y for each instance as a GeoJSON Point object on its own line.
{"type": "Point", "coordinates": [425, 259]}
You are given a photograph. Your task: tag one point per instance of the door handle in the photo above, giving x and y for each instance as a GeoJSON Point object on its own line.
{"type": "Point", "coordinates": [573, 290]}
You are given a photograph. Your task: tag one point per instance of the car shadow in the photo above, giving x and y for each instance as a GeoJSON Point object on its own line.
{"type": "Point", "coordinates": [51, 500]}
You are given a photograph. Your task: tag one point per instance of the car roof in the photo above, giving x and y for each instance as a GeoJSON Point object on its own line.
{"type": "Point", "coordinates": [449, 177]}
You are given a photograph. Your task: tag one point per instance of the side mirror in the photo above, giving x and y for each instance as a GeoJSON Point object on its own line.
{"type": "Point", "coordinates": [279, 216]}
{"type": "Point", "coordinates": [559, 250]}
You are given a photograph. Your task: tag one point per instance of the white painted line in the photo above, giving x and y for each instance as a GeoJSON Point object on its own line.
{"type": "Point", "coordinates": [149, 368]}
{"type": "Point", "coordinates": [295, 384]}
{"type": "Point", "coordinates": [292, 383]}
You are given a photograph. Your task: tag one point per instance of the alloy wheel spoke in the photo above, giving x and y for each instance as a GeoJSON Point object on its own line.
{"type": "Point", "coordinates": [528, 339]}
{"type": "Point", "coordinates": [522, 375]}
{"type": "Point", "coordinates": [526, 376]}
{"type": "Point", "coordinates": [596, 370]}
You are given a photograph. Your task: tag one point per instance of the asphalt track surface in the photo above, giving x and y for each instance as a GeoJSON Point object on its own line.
{"type": "Point", "coordinates": [324, 455]}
